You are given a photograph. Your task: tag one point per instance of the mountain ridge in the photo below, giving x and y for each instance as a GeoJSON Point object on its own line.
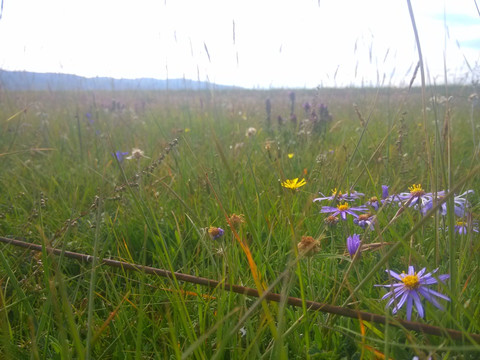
{"type": "Point", "coordinates": [19, 80]}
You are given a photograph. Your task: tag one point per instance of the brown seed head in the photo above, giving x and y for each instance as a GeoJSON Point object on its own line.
{"type": "Point", "coordinates": [236, 220]}
{"type": "Point", "coordinates": [308, 246]}
{"type": "Point", "coordinates": [331, 220]}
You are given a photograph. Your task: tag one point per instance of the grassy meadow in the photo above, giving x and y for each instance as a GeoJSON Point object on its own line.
{"type": "Point", "coordinates": [205, 196]}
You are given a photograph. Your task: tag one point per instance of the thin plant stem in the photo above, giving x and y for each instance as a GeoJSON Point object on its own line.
{"type": "Point", "coordinates": [93, 279]}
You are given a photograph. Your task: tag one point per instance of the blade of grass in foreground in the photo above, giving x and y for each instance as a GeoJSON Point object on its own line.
{"type": "Point", "coordinates": [92, 285]}
{"type": "Point", "coordinates": [259, 283]}
{"type": "Point", "coordinates": [251, 262]}
{"type": "Point", "coordinates": [451, 234]}
{"type": "Point", "coordinates": [6, 328]}
{"type": "Point", "coordinates": [141, 315]}
{"type": "Point", "coordinates": [163, 254]}
{"type": "Point", "coordinates": [13, 279]}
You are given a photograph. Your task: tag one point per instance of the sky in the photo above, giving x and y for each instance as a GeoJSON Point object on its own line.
{"type": "Point", "coordinates": [246, 43]}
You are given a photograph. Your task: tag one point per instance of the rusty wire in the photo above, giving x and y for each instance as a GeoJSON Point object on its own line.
{"type": "Point", "coordinates": [293, 301]}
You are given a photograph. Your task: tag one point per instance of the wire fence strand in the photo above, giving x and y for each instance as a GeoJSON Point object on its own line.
{"type": "Point", "coordinates": [293, 301]}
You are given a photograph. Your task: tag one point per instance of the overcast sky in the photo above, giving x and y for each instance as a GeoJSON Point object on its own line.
{"type": "Point", "coordinates": [249, 43]}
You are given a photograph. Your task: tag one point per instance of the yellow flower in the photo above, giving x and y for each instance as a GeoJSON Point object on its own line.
{"type": "Point", "coordinates": [416, 190]}
{"type": "Point", "coordinates": [187, 130]}
{"type": "Point", "coordinates": [293, 184]}
{"type": "Point", "coordinates": [290, 155]}
{"type": "Point", "coordinates": [411, 281]}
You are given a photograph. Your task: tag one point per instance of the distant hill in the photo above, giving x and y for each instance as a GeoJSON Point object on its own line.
{"type": "Point", "coordinates": [24, 80]}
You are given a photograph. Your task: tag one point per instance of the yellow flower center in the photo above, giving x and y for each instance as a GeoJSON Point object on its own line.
{"type": "Point", "coordinates": [411, 281]}
{"type": "Point", "coordinates": [373, 199]}
{"type": "Point", "coordinates": [416, 190]}
{"type": "Point", "coordinates": [334, 192]}
{"type": "Point", "coordinates": [461, 223]}
{"type": "Point", "coordinates": [342, 207]}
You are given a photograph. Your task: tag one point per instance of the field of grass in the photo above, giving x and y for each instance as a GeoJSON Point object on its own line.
{"type": "Point", "coordinates": [171, 207]}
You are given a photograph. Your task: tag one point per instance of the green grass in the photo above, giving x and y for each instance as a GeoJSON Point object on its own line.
{"type": "Point", "coordinates": [61, 187]}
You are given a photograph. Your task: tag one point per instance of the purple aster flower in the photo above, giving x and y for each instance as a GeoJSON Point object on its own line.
{"type": "Point", "coordinates": [119, 155]}
{"type": "Point", "coordinates": [410, 287]}
{"type": "Point", "coordinates": [215, 232]}
{"type": "Point", "coordinates": [365, 221]}
{"type": "Point", "coordinates": [417, 197]}
{"type": "Point", "coordinates": [339, 196]}
{"type": "Point", "coordinates": [354, 195]}
{"type": "Point", "coordinates": [375, 203]}
{"type": "Point", "coordinates": [462, 227]}
{"type": "Point", "coordinates": [353, 244]}
{"type": "Point", "coordinates": [460, 204]}
{"type": "Point", "coordinates": [343, 210]}
{"type": "Point", "coordinates": [89, 118]}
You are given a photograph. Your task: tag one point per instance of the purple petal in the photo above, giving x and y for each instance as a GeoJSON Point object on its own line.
{"type": "Point", "coordinates": [443, 209]}
{"type": "Point", "coordinates": [411, 270]}
{"type": "Point", "coordinates": [409, 308]}
{"type": "Point", "coordinates": [443, 277]}
{"type": "Point", "coordinates": [420, 273]}
{"type": "Point", "coordinates": [394, 274]}
{"type": "Point", "coordinates": [428, 280]}
{"type": "Point", "coordinates": [405, 296]}
{"type": "Point", "coordinates": [434, 293]}
{"type": "Point", "coordinates": [430, 298]}
{"type": "Point", "coordinates": [398, 292]}
{"type": "Point", "coordinates": [387, 295]}
{"type": "Point", "coordinates": [418, 303]}
{"type": "Point", "coordinates": [459, 211]}
{"type": "Point", "coordinates": [384, 191]}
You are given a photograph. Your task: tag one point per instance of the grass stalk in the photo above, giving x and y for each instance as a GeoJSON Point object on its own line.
{"type": "Point", "coordinates": [141, 311]}
{"type": "Point", "coordinates": [93, 283]}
